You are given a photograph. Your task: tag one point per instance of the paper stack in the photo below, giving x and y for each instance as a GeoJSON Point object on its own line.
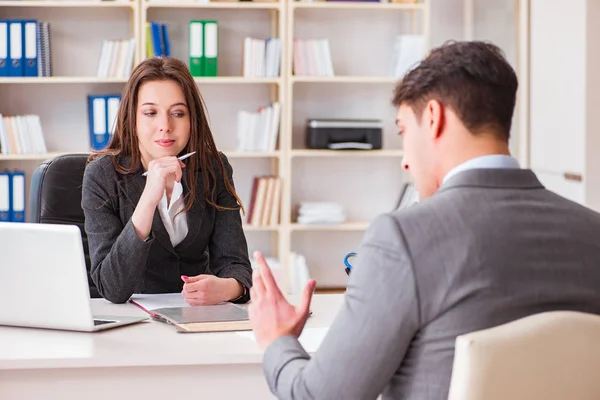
{"type": "Point", "coordinates": [321, 213]}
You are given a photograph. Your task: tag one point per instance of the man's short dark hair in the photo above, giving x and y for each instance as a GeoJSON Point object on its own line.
{"type": "Point", "coordinates": [472, 78]}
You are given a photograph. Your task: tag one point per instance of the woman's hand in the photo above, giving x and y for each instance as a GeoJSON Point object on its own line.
{"type": "Point", "coordinates": [204, 290]}
{"type": "Point", "coordinates": [162, 172]}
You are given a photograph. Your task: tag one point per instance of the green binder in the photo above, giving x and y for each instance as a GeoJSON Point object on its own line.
{"type": "Point", "coordinates": [211, 47]}
{"type": "Point", "coordinates": [196, 48]}
{"type": "Point", "coordinates": [149, 47]}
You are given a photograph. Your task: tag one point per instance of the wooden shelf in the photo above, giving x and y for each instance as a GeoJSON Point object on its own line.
{"type": "Point", "coordinates": [329, 290]}
{"type": "Point", "coordinates": [31, 157]}
{"type": "Point", "coordinates": [68, 4]}
{"type": "Point", "coordinates": [354, 5]}
{"type": "Point", "coordinates": [349, 226]}
{"type": "Point", "coordinates": [248, 154]}
{"type": "Point", "coordinates": [250, 228]}
{"type": "Point", "coordinates": [236, 80]}
{"type": "Point", "coordinates": [345, 79]}
{"type": "Point", "coordinates": [230, 155]}
{"type": "Point", "coordinates": [94, 79]}
{"type": "Point", "coordinates": [347, 153]}
{"type": "Point", "coordinates": [247, 5]}
{"type": "Point", "coordinates": [60, 79]}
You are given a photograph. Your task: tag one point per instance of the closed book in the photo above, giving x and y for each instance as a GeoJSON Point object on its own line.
{"type": "Point", "coordinates": [217, 318]}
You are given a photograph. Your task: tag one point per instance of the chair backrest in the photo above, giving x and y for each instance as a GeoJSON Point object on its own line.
{"type": "Point", "coordinates": [55, 197]}
{"type": "Point", "coordinates": [551, 355]}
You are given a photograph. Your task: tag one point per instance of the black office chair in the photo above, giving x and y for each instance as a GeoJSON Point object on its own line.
{"type": "Point", "coordinates": [55, 197]}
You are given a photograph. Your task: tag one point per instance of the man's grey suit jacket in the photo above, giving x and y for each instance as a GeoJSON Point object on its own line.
{"type": "Point", "coordinates": [491, 246]}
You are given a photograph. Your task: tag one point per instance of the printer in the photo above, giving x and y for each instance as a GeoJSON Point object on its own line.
{"type": "Point", "coordinates": [344, 134]}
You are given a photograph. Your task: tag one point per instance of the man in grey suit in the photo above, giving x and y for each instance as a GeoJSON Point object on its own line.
{"type": "Point", "coordinates": [486, 244]}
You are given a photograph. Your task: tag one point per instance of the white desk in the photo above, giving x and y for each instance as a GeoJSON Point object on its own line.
{"type": "Point", "coordinates": [148, 360]}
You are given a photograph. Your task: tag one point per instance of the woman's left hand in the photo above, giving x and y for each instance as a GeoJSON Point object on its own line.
{"type": "Point", "coordinates": [204, 290]}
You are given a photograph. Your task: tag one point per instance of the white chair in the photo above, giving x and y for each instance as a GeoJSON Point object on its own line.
{"type": "Point", "coordinates": [551, 355]}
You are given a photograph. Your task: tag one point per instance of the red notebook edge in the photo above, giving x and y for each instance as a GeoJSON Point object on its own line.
{"type": "Point", "coordinates": [153, 314]}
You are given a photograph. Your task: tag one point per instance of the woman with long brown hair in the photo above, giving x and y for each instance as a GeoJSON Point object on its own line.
{"type": "Point", "coordinates": [156, 224]}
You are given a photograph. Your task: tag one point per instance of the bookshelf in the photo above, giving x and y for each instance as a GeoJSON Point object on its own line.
{"type": "Point", "coordinates": [77, 29]}
{"type": "Point", "coordinates": [60, 79]}
{"type": "Point", "coordinates": [68, 4]}
{"type": "Point", "coordinates": [366, 183]}
{"type": "Point", "coordinates": [360, 36]}
{"type": "Point", "coordinates": [230, 91]}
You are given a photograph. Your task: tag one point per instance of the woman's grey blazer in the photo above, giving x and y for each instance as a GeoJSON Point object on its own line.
{"type": "Point", "coordinates": [122, 264]}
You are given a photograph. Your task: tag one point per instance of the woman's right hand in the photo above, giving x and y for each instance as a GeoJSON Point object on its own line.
{"type": "Point", "coordinates": [162, 172]}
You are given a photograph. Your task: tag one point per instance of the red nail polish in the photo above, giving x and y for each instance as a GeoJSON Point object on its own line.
{"type": "Point", "coordinates": [184, 277]}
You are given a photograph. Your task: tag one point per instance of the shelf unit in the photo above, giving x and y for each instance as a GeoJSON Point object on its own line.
{"type": "Point", "coordinates": [338, 5]}
{"type": "Point", "coordinates": [313, 173]}
{"type": "Point", "coordinates": [60, 79]}
{"type": "Point", "coordinates": [361, 40]}
{"type": "Point", "coordinates": [69, 4]}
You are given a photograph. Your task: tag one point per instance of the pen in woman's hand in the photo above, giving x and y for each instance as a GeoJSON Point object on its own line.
{"type": "Point", "coordinates": [183, 157]}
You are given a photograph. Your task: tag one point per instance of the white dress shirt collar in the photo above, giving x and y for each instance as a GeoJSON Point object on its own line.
{"type": "Point", "coordinates": [176, 225]}
{"type": "Point", "coordinates": [489, 161]}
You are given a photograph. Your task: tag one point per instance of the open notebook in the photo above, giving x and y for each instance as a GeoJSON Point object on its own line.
{"type": "Point", "coordinates": [173, 309]}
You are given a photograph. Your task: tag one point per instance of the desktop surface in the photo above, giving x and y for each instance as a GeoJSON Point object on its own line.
{"type": "Point", "coordinates": [145, 344]}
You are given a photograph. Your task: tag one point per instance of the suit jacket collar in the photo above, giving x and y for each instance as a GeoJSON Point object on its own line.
{"type": "Point", "coordinates": [494, 178]}
{"type": "Point", "coordinates": [132, 186]}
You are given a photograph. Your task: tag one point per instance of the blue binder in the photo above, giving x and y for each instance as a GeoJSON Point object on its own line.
{"type": "Point", "coordinates": [157, 42]}
{"type": "Point", "coordinates": [15, 48]}
{"type": "Point", "coordinates": [5, 197]}
{"type": "Point", "coordinates": [98, 121]}
{"type": "Point", "coordinates": [30, 54]}
{"type": "Point", "coordinates": [113, 102]}
{"type": "Point", "coordinates": [165, 39]}
{"type": "Point", "coordinates": [17, 189]}
{"type": "Point", "coordinates": [4, 42]}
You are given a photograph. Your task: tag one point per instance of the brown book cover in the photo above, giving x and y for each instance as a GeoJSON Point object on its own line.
{"type": "Point", "coordinates": [274, 217]}
{"type": "Point", "coordinates": [252, 200]}
{"type": "Point", "coordinates": [259, 204]}
{"type": "Point", "coordinates": [268, 201]}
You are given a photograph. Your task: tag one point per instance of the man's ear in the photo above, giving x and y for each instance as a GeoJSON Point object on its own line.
{"type": "Point", "coordinates": [435, 118]}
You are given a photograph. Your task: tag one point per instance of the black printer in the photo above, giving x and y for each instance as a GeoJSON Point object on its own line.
{"type": "Point", "coordinates": [344, 134]}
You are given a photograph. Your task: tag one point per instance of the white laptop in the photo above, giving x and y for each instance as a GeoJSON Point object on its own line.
{"type": "Point", "coordinates": [43, 279]}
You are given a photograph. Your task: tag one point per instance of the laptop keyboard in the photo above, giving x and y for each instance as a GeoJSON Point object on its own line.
{"type": "Point", "coordinates": [102, 322]}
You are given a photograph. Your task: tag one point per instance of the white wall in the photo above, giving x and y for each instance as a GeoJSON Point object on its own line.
{"type": "Point", "coordinates": [564, 123]}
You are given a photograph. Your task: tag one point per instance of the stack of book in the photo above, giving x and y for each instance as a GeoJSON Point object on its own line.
{"type": "Point", "coordinates": [299, 274]}
{"type": "Point", "coordinates": [408, 51]}
{"type": "Point", "coordinates": [21, 135]}
{"type": "Point", "coordinates": [261, 57]}
{"type": "Point", "coordinates": [258, 131]}
{"type": "Point", "coordinates": [312, 57]}
{"type": "Point", "coordinates": [328, 213]}
{"type": "Point", "coordinates": [116, 58]}
{"type": "Point", "coordinates": [265, 201]}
